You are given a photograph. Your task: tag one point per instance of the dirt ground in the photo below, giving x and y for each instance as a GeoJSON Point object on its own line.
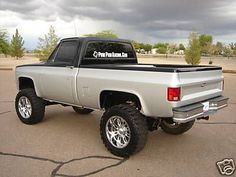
{"type": "Point", "coordinates": [9, 62]}
{"type": "Point", "coordinates": [67, 144]}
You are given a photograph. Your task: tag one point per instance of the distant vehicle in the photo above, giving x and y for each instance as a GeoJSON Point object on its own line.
{"type": "Point", "coordinates": [179, 52]}
{"type": "Point", "coordinates": [103, 74]}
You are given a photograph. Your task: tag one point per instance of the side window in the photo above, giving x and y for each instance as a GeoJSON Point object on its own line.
{"type": "Point", "coordinates": [66, 52]}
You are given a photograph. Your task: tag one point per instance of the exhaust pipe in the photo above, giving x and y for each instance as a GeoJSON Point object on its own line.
{"type": "Point", "coordinates": [203, 118]}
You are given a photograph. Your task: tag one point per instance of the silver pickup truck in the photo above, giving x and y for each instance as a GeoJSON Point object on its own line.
{"type": "Point", "coordinates": [103, 74]}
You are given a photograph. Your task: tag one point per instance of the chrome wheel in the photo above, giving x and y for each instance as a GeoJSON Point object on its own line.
{"type": "Point", "coordinates": [24, 107]}
{"type": "Point", "coordinates": [118, 132]}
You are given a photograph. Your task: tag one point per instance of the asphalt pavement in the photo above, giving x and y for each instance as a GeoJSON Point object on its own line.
{"type": "Point", "coordinates": [69, 144]}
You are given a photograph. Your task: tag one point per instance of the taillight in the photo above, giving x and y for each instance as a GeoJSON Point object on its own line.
{"type": "Point", "coordinates": [223, 85]}
{"type": "Point", "coordinates": [173, 94]}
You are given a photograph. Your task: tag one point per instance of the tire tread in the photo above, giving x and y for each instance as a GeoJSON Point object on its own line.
{"type": "Point", "coordinates": [139, 125]}
{"type": "Point", "coordinates": [38, 107]}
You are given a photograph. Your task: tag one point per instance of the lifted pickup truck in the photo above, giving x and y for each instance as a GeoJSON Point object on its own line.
{"type": "Point", "coordinates": [103, 74]}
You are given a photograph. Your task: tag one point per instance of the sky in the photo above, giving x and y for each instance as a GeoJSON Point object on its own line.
{"type": "Point", "coordinates": [148, 21]}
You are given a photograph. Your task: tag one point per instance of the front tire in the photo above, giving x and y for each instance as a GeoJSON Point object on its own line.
{"type": "Point", "coordinates": [82, 110]}
{"type": "Point", "coordinates": [29, 107]}
{"type": "Point", "coordinates": [123, 130]}
{"type": "Point", "coordinates": [170, 127]}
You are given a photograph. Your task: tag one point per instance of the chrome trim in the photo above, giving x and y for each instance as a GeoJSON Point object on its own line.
{"type": "Point", "coordinates": [118, 132]}
{"type": "Point", "coordinates": [187, 116]}
{"type": "Point", "coordinates": [24, 107]}
{"type": "Point", "coordinates": [188, 119]}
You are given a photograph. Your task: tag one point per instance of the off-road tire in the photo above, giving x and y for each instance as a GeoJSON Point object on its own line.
{"type": "Point", "coordinates": [82, 110]}
{"type": "Point", "coordinates": [37, 104]}
{"type": "Point", "coordinates": [138, 128]}
{"type": "Point", "coordinates": [166, 125]}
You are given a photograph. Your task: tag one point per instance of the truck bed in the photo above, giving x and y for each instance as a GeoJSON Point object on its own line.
{"type": "Point", "coordinates": [143, 67]}
{"type": "Point", "coordinates": [153, 68]}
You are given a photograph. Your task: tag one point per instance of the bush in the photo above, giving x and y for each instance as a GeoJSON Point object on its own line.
{"type": "Point", "coordinates": [193, 51]}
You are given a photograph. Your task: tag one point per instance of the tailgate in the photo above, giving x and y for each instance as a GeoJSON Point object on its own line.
{"type": "Point", "coordinates": [200, 85]}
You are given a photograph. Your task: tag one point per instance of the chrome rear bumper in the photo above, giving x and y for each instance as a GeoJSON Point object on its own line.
{"type": "Point", "coordinates": [188, 113]}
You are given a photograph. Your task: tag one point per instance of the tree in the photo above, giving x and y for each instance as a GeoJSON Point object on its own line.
{"type": "Point", "coordinates": [193, 51]}
{"type": "Point", "coordinates": [47, 44]}
{"type": "Point", "coordinates": [4, 45]}
{"type": "Point", "coordinates": [227, 51]}
{"type": "Point", "coordinates": [233, 48]}
{"type": "Point", "coordinates": [136, 44]}
{"type": "Point", "coordinates": [146, 47]}
{"type": "Point", "coordinates": [16, 46]}
{"type": "Point", "coordinates": [104, 33]}
{"type": "Point", "coordinates": [172, 48]}
{"type": "Point", "coordinates": [181, 47]}
{"type": "Point", "coordinates": [219, 48]}
{"type": "Point", "coordinates": [161, 47]}
{"type": "Point", "coordinates": [210, 48]}
{"type": "Point", "coordinates": [205, 42]}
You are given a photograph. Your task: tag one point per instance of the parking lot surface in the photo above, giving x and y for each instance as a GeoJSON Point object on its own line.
{"type": "Point", "coordinates": [69, 144]}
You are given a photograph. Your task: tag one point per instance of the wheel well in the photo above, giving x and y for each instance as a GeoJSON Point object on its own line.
{"type": "Point", "coordinates": [111, 98]}
{"type": "Point", "coordinates": [25, 82]}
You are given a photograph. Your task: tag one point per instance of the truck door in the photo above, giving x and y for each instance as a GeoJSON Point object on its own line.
{"type": "Point", "coordinates": [58, 79]}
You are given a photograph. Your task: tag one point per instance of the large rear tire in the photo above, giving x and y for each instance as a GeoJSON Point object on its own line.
{"type": "Point", "coordinates": [123, 130]}
{"type": "Point", "coordinates": [29, 107]}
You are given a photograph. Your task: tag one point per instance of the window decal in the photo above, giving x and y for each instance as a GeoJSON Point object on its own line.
{"type": "Point", "coordinates": [110, 55]}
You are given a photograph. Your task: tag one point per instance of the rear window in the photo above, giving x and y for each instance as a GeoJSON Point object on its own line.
{"type": "Point", "coordinates": [109, 50]}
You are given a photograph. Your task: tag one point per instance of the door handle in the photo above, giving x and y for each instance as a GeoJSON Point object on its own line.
{"type": "Point", "coordinates": [70, 67]}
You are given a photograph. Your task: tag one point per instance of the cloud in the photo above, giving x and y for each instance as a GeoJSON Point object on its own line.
{"type": "Point", "coordinates": [156, 15]}
{"type": "Point", "coordinates": [149, 20]}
